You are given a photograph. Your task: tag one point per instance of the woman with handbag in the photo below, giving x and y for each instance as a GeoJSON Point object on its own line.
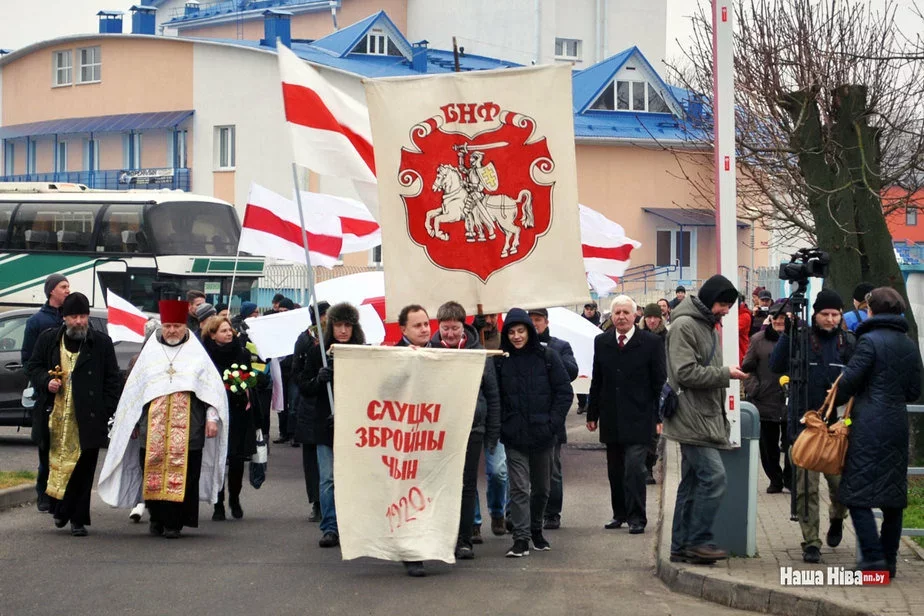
{"type": "Point", "coordinates": [228, 354]}
{"type": "Point", "coordinates": [884, 375]}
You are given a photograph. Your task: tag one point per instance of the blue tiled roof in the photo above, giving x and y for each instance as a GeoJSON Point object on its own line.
{"type": "Point", "coordinates": [589, 83]}
{"type": "Point", "coordinates": [97, 124]}
{"type": "Point", "coordinates": [218, 8]}
{"type": "Point", "coordinates": [630, 125]}
{"type": "Point", "coordinates": [342, 42]}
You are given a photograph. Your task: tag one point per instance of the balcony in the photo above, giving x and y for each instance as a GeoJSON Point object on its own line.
{"type": "Point", "coordinates": [113, 179]}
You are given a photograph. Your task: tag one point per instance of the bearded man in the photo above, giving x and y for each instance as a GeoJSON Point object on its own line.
{"type": "Point", "coordinates": [76, 376]}
{"type": "Point", "coordinates": [170, 436]}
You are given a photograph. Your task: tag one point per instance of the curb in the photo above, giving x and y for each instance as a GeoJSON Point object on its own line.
{"type": "Point", "coordinates": [725, 590]}
{"type": "Point", "coordinates": [17, 495]}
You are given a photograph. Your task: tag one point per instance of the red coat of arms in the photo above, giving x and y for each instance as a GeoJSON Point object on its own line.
{"type": "Point", "coordinates": [479, 193]}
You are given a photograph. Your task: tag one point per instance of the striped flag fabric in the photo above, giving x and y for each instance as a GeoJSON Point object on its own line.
{"type": "Point", "coordinates": [272, 228]}
{"type": "Point", "coordinates": [124, 322]}
{"type": "Point", "coordinates": [359, 229]}
{"type": "Point", "coordinates": [604, 244]}
{"type": "Point", "coordinates": [330, 130]}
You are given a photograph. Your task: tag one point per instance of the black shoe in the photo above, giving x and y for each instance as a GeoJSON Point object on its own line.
{"type": "Point", "coordinates": [614, 523]}
{"type": "Point", "coordinates": [581, 410]}
{"type": "Point", "coordinates": [60, 522]}
{"type": "Point", "coordinates": [281, 439]}
{"type": "Point", "coordinates": [155, 528]}
{"type": "Point", "coordinates": [540, 544]}
{"type": "Point", "coordinates": [464, 552]}
{"type": "Point", "coordinates": [43, 503]}
{"type": "Point", "coordinates": [774, 488]}
{"type": "Point", "coordinates": [236, 512]}
{"type": "Point", "coordinates": [329, 540]}
{"type": "Point", "coordinates": [296, 444]}
{"type": "Point", "coordinates": [835, 533]}
{"type": "Point", "coordinates": [78, 530]}
{"type": "Point", "coordinates": [171, 533]}
{"type": "Point", "coordinates": [415, 568]}
{"type": "Point", "coordinates": [315, 515]}
{"type": "Point", "coordinates": [552, 523]}
{"type": "Point", "coordinates": [636, 529]}
{"type": "Point", "coordinates": [476, 535]}
{"type": "Point", "coordinates": [520, 548]}
{"type": "Point", "coordinates": [219, 514]}
{"type": "Point", "coordinates": [811, 554]}
{"type": "Point", "coordinates": [876, 565]}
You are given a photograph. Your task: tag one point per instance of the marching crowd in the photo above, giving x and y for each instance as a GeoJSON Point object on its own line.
{"type": "Point", "coordinates": [184, 421]}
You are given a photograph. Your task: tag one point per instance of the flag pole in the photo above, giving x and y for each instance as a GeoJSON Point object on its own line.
{"type": "Point", "coordinates": [317, 313]}
{"type": "Point", "coordinates": [234, 274]}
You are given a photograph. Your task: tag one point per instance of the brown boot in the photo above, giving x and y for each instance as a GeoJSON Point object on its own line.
{"type": "Point", "coordinates": [498, 526]}
{"type": "Point", "coordinates": [706, 553]}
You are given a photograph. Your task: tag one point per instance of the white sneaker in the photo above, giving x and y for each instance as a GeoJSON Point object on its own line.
{"type": "Point", "coordinates": [137, 512]}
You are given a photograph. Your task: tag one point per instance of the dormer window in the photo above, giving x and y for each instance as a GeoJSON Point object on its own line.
{"type": "Point", "coordinates": [377, 43]}
{"type": "Point", "coordinates": [623, 95]}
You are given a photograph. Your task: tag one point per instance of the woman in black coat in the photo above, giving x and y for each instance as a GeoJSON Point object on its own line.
{"type": "Point", "coordinates": [884, 374]}
{"type": "Point", "coordinates": [225, 348]}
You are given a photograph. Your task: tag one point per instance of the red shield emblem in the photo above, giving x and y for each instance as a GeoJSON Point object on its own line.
{"type": "Point", "coordinates": [479, 193]}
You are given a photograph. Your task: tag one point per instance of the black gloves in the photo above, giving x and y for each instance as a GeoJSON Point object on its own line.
{"type": "Point", "coordinates": [479, 322]}
{"type": "Point", "coordinates": [326, 375]}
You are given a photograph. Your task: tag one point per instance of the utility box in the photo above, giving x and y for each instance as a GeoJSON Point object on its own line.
{"type": "Point", "coordinates": [735, 527]}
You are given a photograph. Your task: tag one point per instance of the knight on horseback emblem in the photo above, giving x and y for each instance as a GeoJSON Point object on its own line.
{"type": "Point", "coordinates": [468, 190]}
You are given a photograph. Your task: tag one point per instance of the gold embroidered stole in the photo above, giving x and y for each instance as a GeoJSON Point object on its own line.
{"type": "Point", "coordinates": [64, 448]}
{"type": "Point", "coordinates": [167, 449]}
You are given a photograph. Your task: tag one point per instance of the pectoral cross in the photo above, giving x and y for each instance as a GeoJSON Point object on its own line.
{"type": "Point", "coordinates": [171, 371]}
{"type": "Point", "coordinates": [57, 373]}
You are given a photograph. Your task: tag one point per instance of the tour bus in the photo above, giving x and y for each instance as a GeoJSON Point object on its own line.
{"type": "Point", "coordinates": [144, 245]}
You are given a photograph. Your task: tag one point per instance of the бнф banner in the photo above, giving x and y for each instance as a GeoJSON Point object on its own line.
{"type": "Point", "coordinates": [478, 189]}
{"type": "Point", "coordinates": [403, 418]}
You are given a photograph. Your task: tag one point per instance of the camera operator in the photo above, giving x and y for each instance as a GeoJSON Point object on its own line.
{"type": "Point", "coordinates": [761, 310]}
{"type": "Point", "coordinates": [829, 349]}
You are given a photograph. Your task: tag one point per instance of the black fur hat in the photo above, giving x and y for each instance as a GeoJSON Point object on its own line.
{"type": "Point", "coordinates": [343, 312]}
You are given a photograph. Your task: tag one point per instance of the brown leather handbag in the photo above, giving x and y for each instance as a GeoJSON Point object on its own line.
{"type": "Point", "coordinates": [821, 447]}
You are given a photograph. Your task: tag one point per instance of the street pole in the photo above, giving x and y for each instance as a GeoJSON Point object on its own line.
{"type": "Point", "coordinates": [725, 201]}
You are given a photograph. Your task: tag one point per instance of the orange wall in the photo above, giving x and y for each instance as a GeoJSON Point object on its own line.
{"type": "Point", "coordinates": [224, 185]}
{"type": "Point", "coordinates": [896, 220]}
{"type": "Point", "coordinates": [309, 25]}
{"type": "Point", "coordinates": [137, 75]}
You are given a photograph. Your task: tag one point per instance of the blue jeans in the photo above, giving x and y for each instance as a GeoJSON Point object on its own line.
{"type": "Point", "coordinates": [701, 489]}
{"type": "Point", "coordinates": [495, 467]}
{"type": "Point", "coordinates": [326, 480]}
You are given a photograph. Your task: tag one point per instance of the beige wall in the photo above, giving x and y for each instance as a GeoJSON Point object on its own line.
{"type": "Point", "coordinates": [154, 148]}
{"type": "Point", "coordinates": [224, 185]}
{"type": "Point", "coordinates": [110, 151]}
{"type": "Point", "coordinates": [138, 75]}
{"type": "Point", "coordinates": [44, 155]}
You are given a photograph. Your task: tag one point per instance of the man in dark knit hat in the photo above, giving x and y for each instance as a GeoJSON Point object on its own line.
{"type": "Point", "coordinates": [76, 375]}
{"type": "Point", "coordinates": [830, 348]}
{"type": "Point", "coordinates": [48, 316]}
{"type": "Point", "coordinates": [859, 314]}
{"type": "Point", "coordinates": [695, 367]}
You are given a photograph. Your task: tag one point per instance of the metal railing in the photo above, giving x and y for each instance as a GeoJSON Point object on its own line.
{"type": "Point", "coordinates": [225, 7]}
{"type": "Point", "coordinates": [107, 179]}
{"type": "Point", "coordinates": [913, 471]}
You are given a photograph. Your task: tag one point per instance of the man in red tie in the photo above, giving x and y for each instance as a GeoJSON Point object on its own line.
{"type": "Point", "coordinates": [628, 372]}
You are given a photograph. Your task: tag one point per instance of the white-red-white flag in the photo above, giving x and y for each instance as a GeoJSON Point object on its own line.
{"type": "Point", "coordinates": [272, 228]}
{"type": "Point", "coordinates": [360, 230]}
{"type": "Point", "coordinates": [124, 321]}
{"type": "Point", "coordinates": [604, 244]}
{"type": "Point", "coordinates": [330, 131]}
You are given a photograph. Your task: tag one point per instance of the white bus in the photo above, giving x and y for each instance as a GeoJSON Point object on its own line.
{"type": "Point", "coordinates": [145, 245]}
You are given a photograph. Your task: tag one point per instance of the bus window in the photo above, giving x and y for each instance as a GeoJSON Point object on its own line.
{"type": "Point", "coordinates": [6, 214]}
{"type": "Point", "coordinates": [53, 226]}
{"type": "Point", "coordinates": [193, 229]}
{"type": "Point", "coordinates": [119, 229]}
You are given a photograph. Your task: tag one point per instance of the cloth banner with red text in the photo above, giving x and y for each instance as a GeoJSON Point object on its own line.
{"type": "Point", "coordinates": [403, 422]}
{"type": "Point", "coordinates": [478, 189]}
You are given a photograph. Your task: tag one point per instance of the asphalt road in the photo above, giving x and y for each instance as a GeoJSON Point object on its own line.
{"type": "Point", "coordinates": [269, 562]}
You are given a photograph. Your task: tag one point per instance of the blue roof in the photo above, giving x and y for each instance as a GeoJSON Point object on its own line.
{"type": "Point", "coordinates": [632, 125]}
{"type": "Point", "coordinates": [344, 40]}
{"type": "Point", "coordinates": [218, 8]}
{"type": "Point", "coordinates": [98, 124]}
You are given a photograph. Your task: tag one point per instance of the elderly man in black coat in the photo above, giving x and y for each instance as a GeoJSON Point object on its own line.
{"type": "Point", "coordinates": [884, 374]}
{"type": "Point", "coordinates": [76, 377]}
{"type": "Point", "coordinates": [630, 367]}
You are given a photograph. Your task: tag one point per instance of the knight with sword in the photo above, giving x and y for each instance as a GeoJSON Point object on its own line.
{"type": "Point", "coordinates": [477, 178]}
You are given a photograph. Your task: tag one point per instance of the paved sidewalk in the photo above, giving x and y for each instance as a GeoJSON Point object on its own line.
{"type": "Point", "coordinates": [754, 583]}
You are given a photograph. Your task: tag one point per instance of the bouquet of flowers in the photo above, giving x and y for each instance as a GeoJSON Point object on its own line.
{"type": "Point", "coordinates": [238, 379]}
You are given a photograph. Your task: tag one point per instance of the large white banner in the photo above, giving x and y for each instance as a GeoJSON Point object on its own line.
{"type": "Point", "coordinates": [478, 189]}
{"type": "Point", "coordinates": [403, 422]}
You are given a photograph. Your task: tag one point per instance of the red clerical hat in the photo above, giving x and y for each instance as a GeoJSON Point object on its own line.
{"type": "Point", "coordinates": [173, 311]}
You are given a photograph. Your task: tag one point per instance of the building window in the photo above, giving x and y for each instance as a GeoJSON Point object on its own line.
{"type": "Point", "coordinates": [673, 247]}
{"type": "Point", "coordinates": [179, 158]}
{"type": "Point", "coordinates": [131, 151]}
{"type": "Point", "coordinates": [225, 147]}
{"type": "Point", "coordinates": [90, 64]}
{"type": "Point", "coordinates": [30, 156]}
{"type": "Point", "coordinates": [377, 43]}
{"type": "Point", "coordinates": [376, 256]}
{"type": "Point", "coordinates": [91, 155]}
{"type": "Point", "coordinates": [911, 216]}
{"type": "Point", "coordinates": [63, 69]}
{"type": "Point", "coordinates": [9, 154]}
{"type": "Point", "coordinates": [61, 156]}
{"type": "Point", "coordinates": [630, 96]}
{"type": "Point", "coordinates": [568, 49]}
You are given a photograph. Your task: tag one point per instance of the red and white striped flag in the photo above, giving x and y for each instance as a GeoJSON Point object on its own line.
{"type": "Point", "coordinates": [604, 243]}
{"type": "Point", "coordinates": [272, 228]}
{"type": "Point", "coordinates": [124, 321]}
{"type": "Point", "coordinates": [330, 131]}
{"type": "Point", "coordinates": [360, 230]}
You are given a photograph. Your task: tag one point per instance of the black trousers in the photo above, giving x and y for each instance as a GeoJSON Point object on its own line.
{"type": "Point", "coordinates": [625, 466]}
{"type": "Point", "coordinates": [41, 480]}
{"type": "Point", "coordinates": [470, 488]}
{"type": "Point", "coordinates": [310, 467]}
{"type": "Point", "coordinates": [75, 506]}
{"type": "Point", "coordinates": [235, 481]}
{"type": "Point", "coordinates": [774, 438]}
{"type": "Point", "coordinates": [175, 516]}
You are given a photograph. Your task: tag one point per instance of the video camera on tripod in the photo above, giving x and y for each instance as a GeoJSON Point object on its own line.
{"type": "Point", "coordinates": [804, 264]}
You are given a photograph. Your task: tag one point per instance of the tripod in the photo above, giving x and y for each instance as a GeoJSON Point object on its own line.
{"type": "Point", "coordinates": [799, 332]}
